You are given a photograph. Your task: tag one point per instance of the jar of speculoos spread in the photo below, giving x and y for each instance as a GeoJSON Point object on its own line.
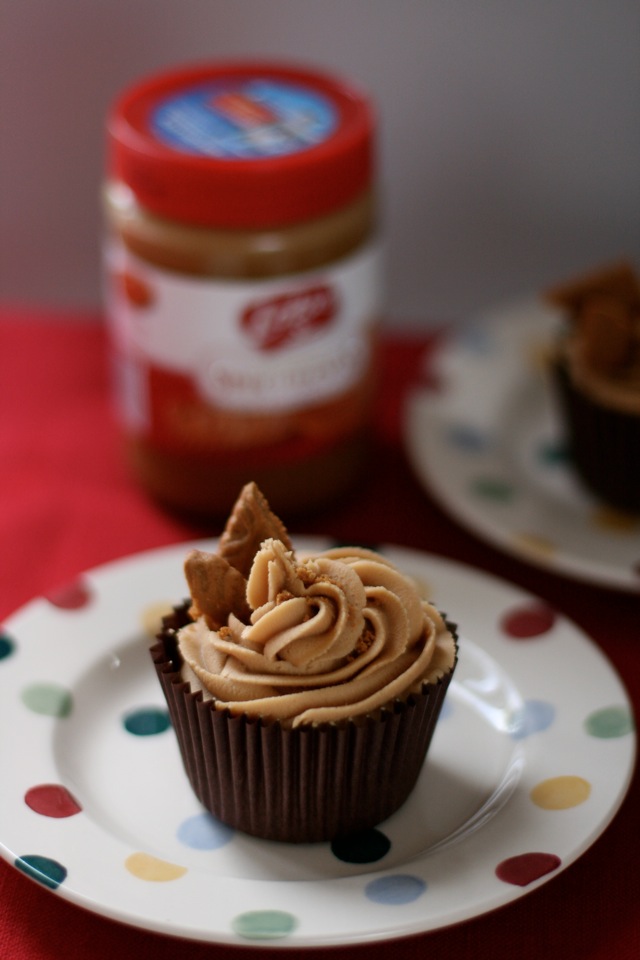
{"type": "Point", "coordinates": [243, 282]}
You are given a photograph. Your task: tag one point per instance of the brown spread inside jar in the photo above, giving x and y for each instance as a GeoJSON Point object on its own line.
{"type": "Point", "coordinates": [265, 368]}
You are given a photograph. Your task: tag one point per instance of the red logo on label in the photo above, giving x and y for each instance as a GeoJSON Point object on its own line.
{"type": "Point", "coordinates": [243, 109]}
{"type": "Point", "coordinates": [289, 317]}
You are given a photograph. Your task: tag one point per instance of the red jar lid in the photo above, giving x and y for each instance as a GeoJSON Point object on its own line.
{"type": "Point", "coordinates": [245, 145]}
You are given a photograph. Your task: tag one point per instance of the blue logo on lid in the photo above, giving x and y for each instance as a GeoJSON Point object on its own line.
{"type": "Point", "coordinates": [244, 119]}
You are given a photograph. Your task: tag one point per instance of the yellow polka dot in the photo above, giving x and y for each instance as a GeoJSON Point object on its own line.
{"type": "Point", "coordinates": [151, 617]}
{"type": "Point", "coordinates": [539, 546]}
{"type": "Point", "coordinates": [614, 520]}
{"type": "Point", "coordinates": [560, 793]}
{"type": "Point", "coordinates": [145, 867]}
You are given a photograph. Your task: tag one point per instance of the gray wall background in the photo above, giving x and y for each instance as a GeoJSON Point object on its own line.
{"type": "Point", "coordinates": [509, 148]}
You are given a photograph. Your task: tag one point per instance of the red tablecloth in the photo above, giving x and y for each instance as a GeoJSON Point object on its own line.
{"type": "Point", "coordinates": [67, 504]}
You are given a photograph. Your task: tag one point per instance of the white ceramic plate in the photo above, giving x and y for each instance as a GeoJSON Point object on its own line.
{"type": "Point", "coordinates": [487, 444]}
{"type": "Point", "coordinates": [526, 769]}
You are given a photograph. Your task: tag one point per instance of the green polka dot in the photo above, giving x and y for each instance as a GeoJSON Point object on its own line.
{"type": "Point", "coordinates": [609, 723]}
{"type": "Point", "coordinates": [48, 699]}
{"type": "Point", "coordinates": [264, 924]}
{"type": "Point", "coordinates": [48, 872]}
{"type": "Point", "coordinates": [492, 488]}
{"type": "Point", "coordinates": [7, 646]}
{"type": "Point", "coordinates": [551, 453]}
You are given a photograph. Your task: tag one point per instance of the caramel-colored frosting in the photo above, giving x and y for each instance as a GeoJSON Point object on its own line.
{"type": "Point", "coordinates": [601, 346]}
{"type": "Point", "coordinates": [330, 636]}
{"type": "Point", "coordinates": [619, 390]}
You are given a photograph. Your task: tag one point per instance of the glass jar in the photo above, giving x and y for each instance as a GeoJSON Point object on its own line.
{"type": "Point", "coordinates": [243, 283]}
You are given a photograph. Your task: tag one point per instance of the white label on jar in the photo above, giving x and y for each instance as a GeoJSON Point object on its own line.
{"type": "Point", "coordinates": [265, 346]}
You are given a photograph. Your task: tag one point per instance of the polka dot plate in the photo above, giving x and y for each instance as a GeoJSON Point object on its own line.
{"type": "Point", "coordinates": [485, 440]}
{"type": "Point", "coordinates": [526, 769]}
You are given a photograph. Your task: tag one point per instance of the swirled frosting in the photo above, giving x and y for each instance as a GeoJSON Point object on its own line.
{"type": "Point", "coordinates": [330, 636]}
{"type": "Point", "coordinates": [600, 344]}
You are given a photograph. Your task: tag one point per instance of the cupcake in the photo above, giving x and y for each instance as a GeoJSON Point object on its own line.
{"type": "Point", "coordinates": [304, 690]}
{"type": "Point", "coordinates": [596, 371]}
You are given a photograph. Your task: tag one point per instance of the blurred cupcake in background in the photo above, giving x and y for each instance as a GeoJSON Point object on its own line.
{"type": "Point", "coordinates": [596, 373]}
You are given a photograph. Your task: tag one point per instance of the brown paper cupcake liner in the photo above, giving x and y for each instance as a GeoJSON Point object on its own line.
{"type": "Point", "coordinates": [603, 444]}
{"type": "Point", "coordinates": [299, 785]}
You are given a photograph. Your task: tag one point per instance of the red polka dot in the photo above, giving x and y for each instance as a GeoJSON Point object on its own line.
{"type": "Point", "coordinates": [70, 596]}
{"type": "Point", "coordinates": [531, 620]}
{"type": "Point", "coordinates": [432, 380]}
{"type": "Point", "coordinates": [527, 867]}
{"type": "Point", "coordinates": [52, 800]}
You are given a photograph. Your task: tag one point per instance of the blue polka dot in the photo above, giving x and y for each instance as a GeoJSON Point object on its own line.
{"type": "Point", "coordinates": [48, 872]}
{"type": "Point", "coordinates": [533, 717]}
{"type": "Point", "coordinates": [147, 721]}
{"type": "Point", "coordinates": [476, 340]}
{"type": "Point", "coordinates": [396, 889]}
{"type": "Point", "coordinates": [204, 832]}
{"type": "Point", "coordinates": [468, 438]}
{"type": "Point", "coordinates": [7, 646]}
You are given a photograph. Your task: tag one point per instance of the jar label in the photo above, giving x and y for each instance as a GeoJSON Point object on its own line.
{"type": "Point", "coordinates": [215, 365]}
{"type": "Point", "coordinates": [243, 119]}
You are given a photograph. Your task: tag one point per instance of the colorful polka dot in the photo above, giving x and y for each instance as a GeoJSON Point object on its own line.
{"type": "Point", "coordinates": [204, 832]}
{"type": "Point", "coordinates": [561, 793]}
{"type": "Point", "coordinates": [147, 721]}
{"type": "Point", "coordinates": [533, 717]}
{"type": "Point", "coordinates": [367, 846]}
{"type": "Point", "coordinates": [468, 438]}
{"type": "Point", "coordinates": [264, 924]}
{"type": "Point", "coordinates": [527, 621]}
{"type": "Point", "coordinates": [48, 699]}
{"type": "Point", "coordinates": [145, 867]}
{"type": "Point", "coordinates": [609, 723]}
{"type": "Point", "coordinates": [396, 889]}
{"type": "Point", "coordinates": [493, 488]}
{"type": "Point", "coordinates": [538, 546]}
{"type": "Point", "coordinates": [476, 340]}
{"type": "Point", "coordinates": [52, 800]}
{"type": "Point", "coordinates": [527, 867]}
{"type": "Point", "coordinates": [46, 871]}
{"type": "Point", "coordinates": [7, 646]}
{"type": "Point", "coordinates": [70, 596]}
{"type": "Point", "coordinates": [550, 453]}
